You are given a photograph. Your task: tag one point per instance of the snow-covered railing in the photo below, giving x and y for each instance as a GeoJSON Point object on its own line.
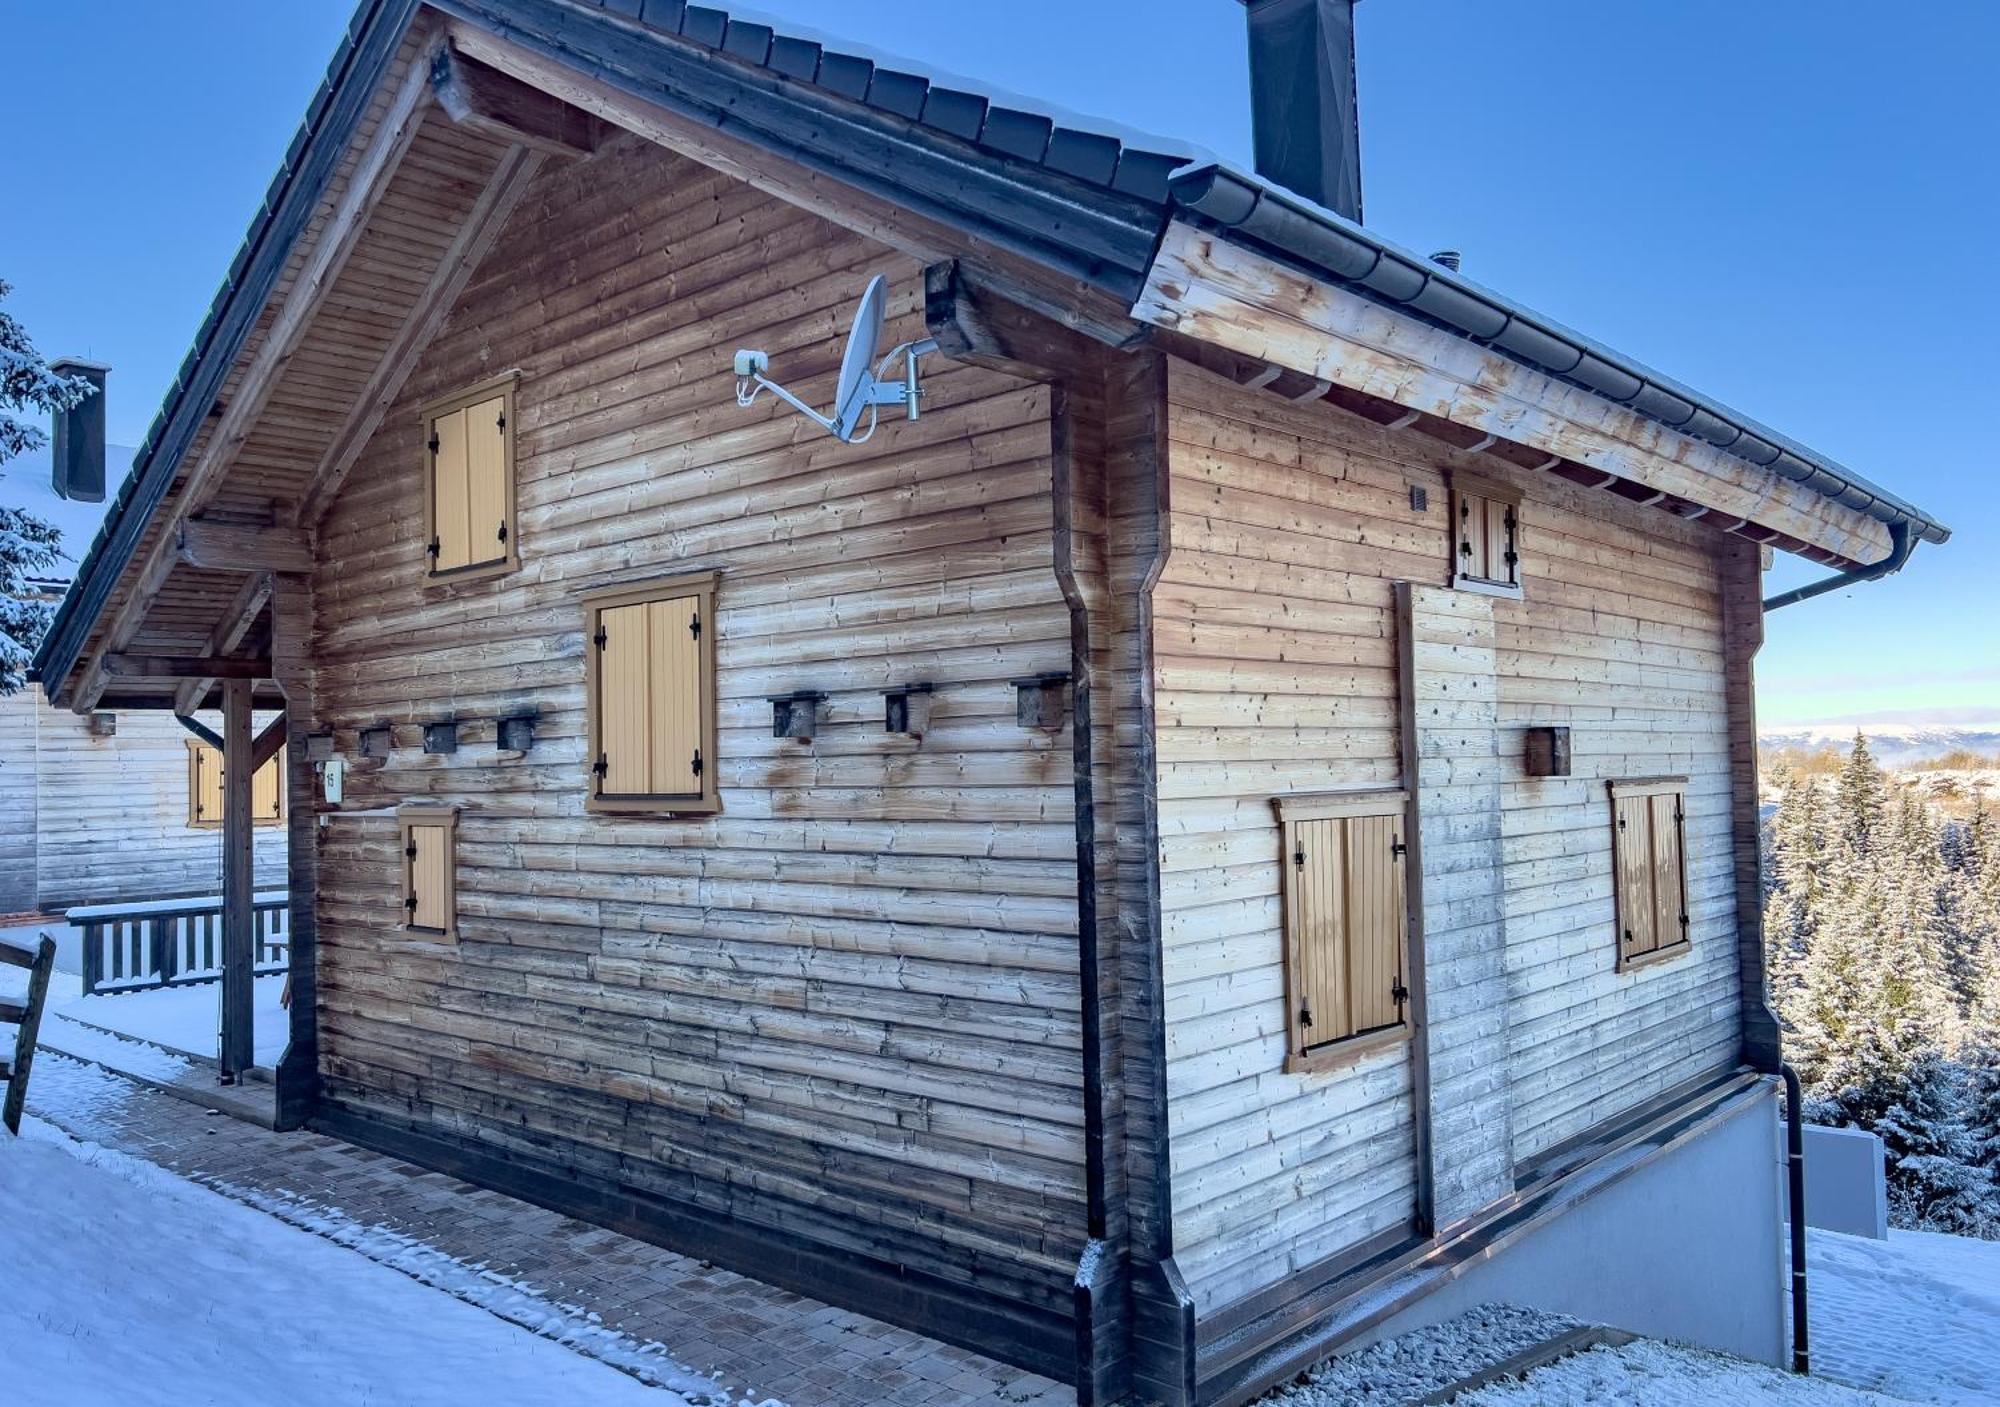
{"type": "Point", "coordinates": [173, 942]}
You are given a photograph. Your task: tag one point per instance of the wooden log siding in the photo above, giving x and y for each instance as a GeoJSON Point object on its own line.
{"type": "Point", "coordinates": [1619, 636]}
{"type": "Point", "coordinates": [846, 1005]}
{"type": "Point", "coordinates": [1276, 674]}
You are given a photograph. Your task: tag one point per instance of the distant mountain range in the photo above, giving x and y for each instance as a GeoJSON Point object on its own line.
{"type": "Point", "coordinates": [1894, 744]}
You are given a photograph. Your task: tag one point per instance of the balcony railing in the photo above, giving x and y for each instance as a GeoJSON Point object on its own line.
{"type": "Point", "coordinates": [173, 942]}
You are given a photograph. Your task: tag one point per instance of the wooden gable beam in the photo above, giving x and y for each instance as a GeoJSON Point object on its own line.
{"type": "Point", "coordinates": [238, 547]}
{"type": "Point", "coordinates": [372, 172]}
{"type": "Point", "coordinates": [486, 100]}
{"type": "Point", "coordinates": [509, 182]}
{"type": "Point", "coordinates": [243, 611]}
{"type": "Point", "coordinates": [185, 667]}
{"type": "Point", "coordinates": [1216, 292]}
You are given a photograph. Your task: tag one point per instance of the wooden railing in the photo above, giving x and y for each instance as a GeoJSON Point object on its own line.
{"type": "Point", "coordinates": [172, 942]}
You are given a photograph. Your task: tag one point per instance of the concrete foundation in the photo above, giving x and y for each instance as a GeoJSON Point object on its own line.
{"type": "Point", "coordinates": [1689, 1247]}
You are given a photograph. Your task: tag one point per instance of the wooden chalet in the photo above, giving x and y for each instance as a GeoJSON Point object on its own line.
{"type": "Point", "coordinates": [1232, 833]}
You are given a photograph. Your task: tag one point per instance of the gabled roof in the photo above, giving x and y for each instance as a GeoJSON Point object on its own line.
{"type": "Point", "coordinates": [1085, 199]}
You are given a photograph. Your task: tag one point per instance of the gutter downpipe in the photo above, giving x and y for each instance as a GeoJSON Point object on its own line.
{"type": "Point", "coordinates": [1902, 543]}
{"type": "Point", "coordinates": [1795, 1179]}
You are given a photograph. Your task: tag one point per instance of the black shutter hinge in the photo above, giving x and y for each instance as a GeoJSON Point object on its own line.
{"type": "Point", "coordinates": [410, 851]}
{"type": "Point", "coordinates": [1397, 849]}
{"type": "Point", "coordinates": [432, 443]}
{"type": "Point", "coordinates": [435, 548]}
{"type": "Point", "coordinates": [503, 529]}
{"type": "Point", "coordinates": [600, 637]}
{"type": "Point", "coordinates": [1299, 857]}
{"type": "Point", "coordinates": [696, 764]}
{"type": "Point", "coordinates": [1465, 547]}
{"type": "Point", "coordinates": [501, 421]}
{"type": "Point", "coordinates": [601, 767]}
{"type": "Point", "coordinates": [411, 903]}
{"type": "Point", "coordinates": [694, 625]}
{"type": "Point", "coordinates": [1400, 993]}
{"type": "Point", "coordinates": [1305, 1016]}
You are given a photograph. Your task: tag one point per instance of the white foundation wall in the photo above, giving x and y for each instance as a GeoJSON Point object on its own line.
{"type": "Point", "coordinates": [1690, 1247]}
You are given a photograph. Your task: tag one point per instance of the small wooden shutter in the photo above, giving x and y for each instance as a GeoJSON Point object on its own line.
{"type": "Point", "coordinates": [427, 853]}
{"type": "Point", "coordinates": [267, 790]}
{"type": "Point", "coordinates": [1345, 911]}
{"type": "Point", "coordinates": [1634, 878]}
{"type": "Point", "coordinates": [451, 540]}
{"type": "Point", "coordinates": [487, 509]}
{"type": "Point", "coordinates": [651, 692]}
{"type": "Point", "coordinates": [204, 785]}
{"type": "Point", "coordinates": [1670, 919]}
{"type": "Point", "coordinates": [1486, 548]}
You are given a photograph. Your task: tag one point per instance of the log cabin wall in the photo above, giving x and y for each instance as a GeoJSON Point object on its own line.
{"type": "Point", "coordinates": [846, 1006]}
{"type": "Point", "coordinates": [104, 819]}
{"type": "Point", "coordinates": [1278, 672]}
{"type": "Point", "coordinates": [1275, 672]}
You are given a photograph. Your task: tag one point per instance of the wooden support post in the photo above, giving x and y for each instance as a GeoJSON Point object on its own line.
{"type": "Point", "coordinates": [291, 653]}
{"type": "Point", "coordinates": [239, 1044]}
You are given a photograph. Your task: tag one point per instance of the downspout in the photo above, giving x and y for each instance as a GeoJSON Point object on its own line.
{"type": "Point", "coordinates": [1902, 543]}
{"type": "Point", "coordinates": [1795, 1180]}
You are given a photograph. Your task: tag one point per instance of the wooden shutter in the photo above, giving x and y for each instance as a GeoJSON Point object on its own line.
{"type": "Point", "coordinates": [451, 533]}
{"type": "Point", "coordinates": [1472, 539]}
{"type": "Point", "coordinates": [267, 790]}
{"type": "Point", "coordinates": [1649, 866]}
{"type": "Point", "coordinates": [487, 509]}
{"type": "Point", "coordinates": [1345, 917]}
{"type": "Point", "coordinates": [652, 696]}
{"type": "Point", "coordinates": [204, 785]}
{"type": "Point", "coordinates": [1486, 532]}
{"type": "Point", "coordinates": [430, 870]}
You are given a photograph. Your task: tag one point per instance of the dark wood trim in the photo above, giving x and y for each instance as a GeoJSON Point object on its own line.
{"type": "Point", "coordinates": [239, 956]}
{"type": "Point", "coordinates": [201, 731]}
{"type": "Point", "coordinates": [1742, 637]}
{"type": "Point", "coordinates": [239, 547]}
{"type": "Point", "coordinates": [1038, 1340]}
{"type": "Point", "coordinates": [298, 1081]}
{"type": "Point", "coordinates": [122, 666]}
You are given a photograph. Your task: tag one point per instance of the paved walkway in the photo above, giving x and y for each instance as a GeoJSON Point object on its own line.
{"type": "Point", "coordinates": [759, 1342]}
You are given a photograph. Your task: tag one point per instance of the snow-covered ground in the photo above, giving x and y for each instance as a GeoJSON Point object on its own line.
{"type": "Point", "coordinates": [124, 1283]}
{"type": "Point", "coordinates": [1916, 1316]}
{"type": "Point", "coordinates": [181, 1018]}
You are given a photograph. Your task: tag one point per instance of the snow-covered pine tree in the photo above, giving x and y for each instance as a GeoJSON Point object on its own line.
{"type": "Point", "coordinates": [1936, 1182]}
{"type": "Point", "coordinates": [1862, 794]}
{"type": "Point", "coordinates": [27, 544]}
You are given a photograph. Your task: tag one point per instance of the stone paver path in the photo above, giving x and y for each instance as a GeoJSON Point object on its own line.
{"type": "Point", "coordinates": [760, 1342]}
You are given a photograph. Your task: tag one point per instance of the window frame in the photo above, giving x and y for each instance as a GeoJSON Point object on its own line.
{"type": "Point", "coordinates": [1465, 486]}
{"type": "Point", "coordinates": [1389, 802]}
{"type": "Point", "coordinates": [702, 586]}
{"type": "Point", "coordinates": [1634, 788]}
{"type": "Point", "coordinates": [504, 385]}
{"type": "Point", "coordinates": [408, 818]}
{"type": "Point", "coordinates": [195, 821]}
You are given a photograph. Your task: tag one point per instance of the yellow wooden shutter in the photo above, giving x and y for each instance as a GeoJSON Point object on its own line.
{"type": "Point", "coordinates": [1670, 920]}
{"type": "Point", "coordinates": [1319, 919]}
{"type": "Point", "coordinates": [624, 694]}
{"type": "Point", "coordinates": [451, 541]}
{"type": "Point", "coordinates": [1637, 933]}
{"type": "Point", "coordinates": [487, 509]}
{"type": "Point", "coordinates": [204, 785]}
{"type": "Point", "coordinates": [267, 789]}
{"type": "Point", "coordinates": [427, 853]}
{"type": "Point", "coordinates": [677, 692]}
{"type": "Point", "coordinates": [1375, 920]}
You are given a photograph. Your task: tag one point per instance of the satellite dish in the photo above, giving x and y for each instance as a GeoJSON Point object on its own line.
{"type": "Point", "coordinates": [857, 364]}
{"type": "Point", "coordinates": [861, 386]}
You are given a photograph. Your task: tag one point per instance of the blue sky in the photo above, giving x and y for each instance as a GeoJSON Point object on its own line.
{"type": "Point", "coordinates": [1776, 202]}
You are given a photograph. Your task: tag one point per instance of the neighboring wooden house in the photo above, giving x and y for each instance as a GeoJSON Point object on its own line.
{"type": "Point", "coordinates": [1234, 832]}
{"type": "Point", "coordinates": [67, 781]}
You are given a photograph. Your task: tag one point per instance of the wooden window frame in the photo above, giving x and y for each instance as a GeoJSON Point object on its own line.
{"type": "Point", "coordinates": [1466, 487]}
{"type": "Point", "coordinates": [1632, 788]}
{"type": "Point", "coordinates": [702, 586]}
{"type": "Point", "coordinates": [408, 818]}
{"type": "Point", "coordinates": [1300, 1058]}
{"type": "Point", "coordinates": [195, 748]}
{"type": "Point", "coordinates": [505, 386]}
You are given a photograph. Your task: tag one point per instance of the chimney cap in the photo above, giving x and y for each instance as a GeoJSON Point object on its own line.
{"type": "Point", "coordinates": [61, 364]}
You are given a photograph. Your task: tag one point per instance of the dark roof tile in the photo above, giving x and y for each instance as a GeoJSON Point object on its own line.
{"type": "Point", "coordinates": [795, 58]}
{"type": "Point", "coordinates": [900, 93]}
{"type": "Point", "coordinates": [1090, 156]}
{"type": "Point", "coordinates": [958, 113]}
{"type": "Point", "coordinates": [747, 41]}
{"type": "Point", "coordinates": [1016, 133]}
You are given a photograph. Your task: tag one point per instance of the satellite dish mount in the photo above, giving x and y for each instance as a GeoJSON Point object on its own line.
{"type": "Point", "coordinates": [865, 383]}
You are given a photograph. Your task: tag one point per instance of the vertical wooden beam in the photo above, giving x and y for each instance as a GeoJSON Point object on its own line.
{"type": "Point", "coordinates": [1742, 636]}
{"type": "Point", "coordinates": [1413, 939]}
{"type": "Point", "coordinates": [239, 1015]}
{"type": "Point", "coordinates": [291, 654]}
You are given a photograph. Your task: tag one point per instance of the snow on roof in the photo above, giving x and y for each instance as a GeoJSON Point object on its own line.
{"type": "Point", "coordinates": [24, 484]}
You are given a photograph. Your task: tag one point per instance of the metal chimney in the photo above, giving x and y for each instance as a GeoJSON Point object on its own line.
{"type": "Point", "coordinates": [1304, 118]}
{"type": "Point", "coordinates": [77, 464]}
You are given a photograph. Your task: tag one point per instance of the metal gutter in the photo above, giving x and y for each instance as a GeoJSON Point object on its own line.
{"type": "Point", "coordinates": [309, 165]}
{"type": "Point", "coordinates": [1902, 544]}
{"type": "Point", "coordinates": [1331, 246]}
